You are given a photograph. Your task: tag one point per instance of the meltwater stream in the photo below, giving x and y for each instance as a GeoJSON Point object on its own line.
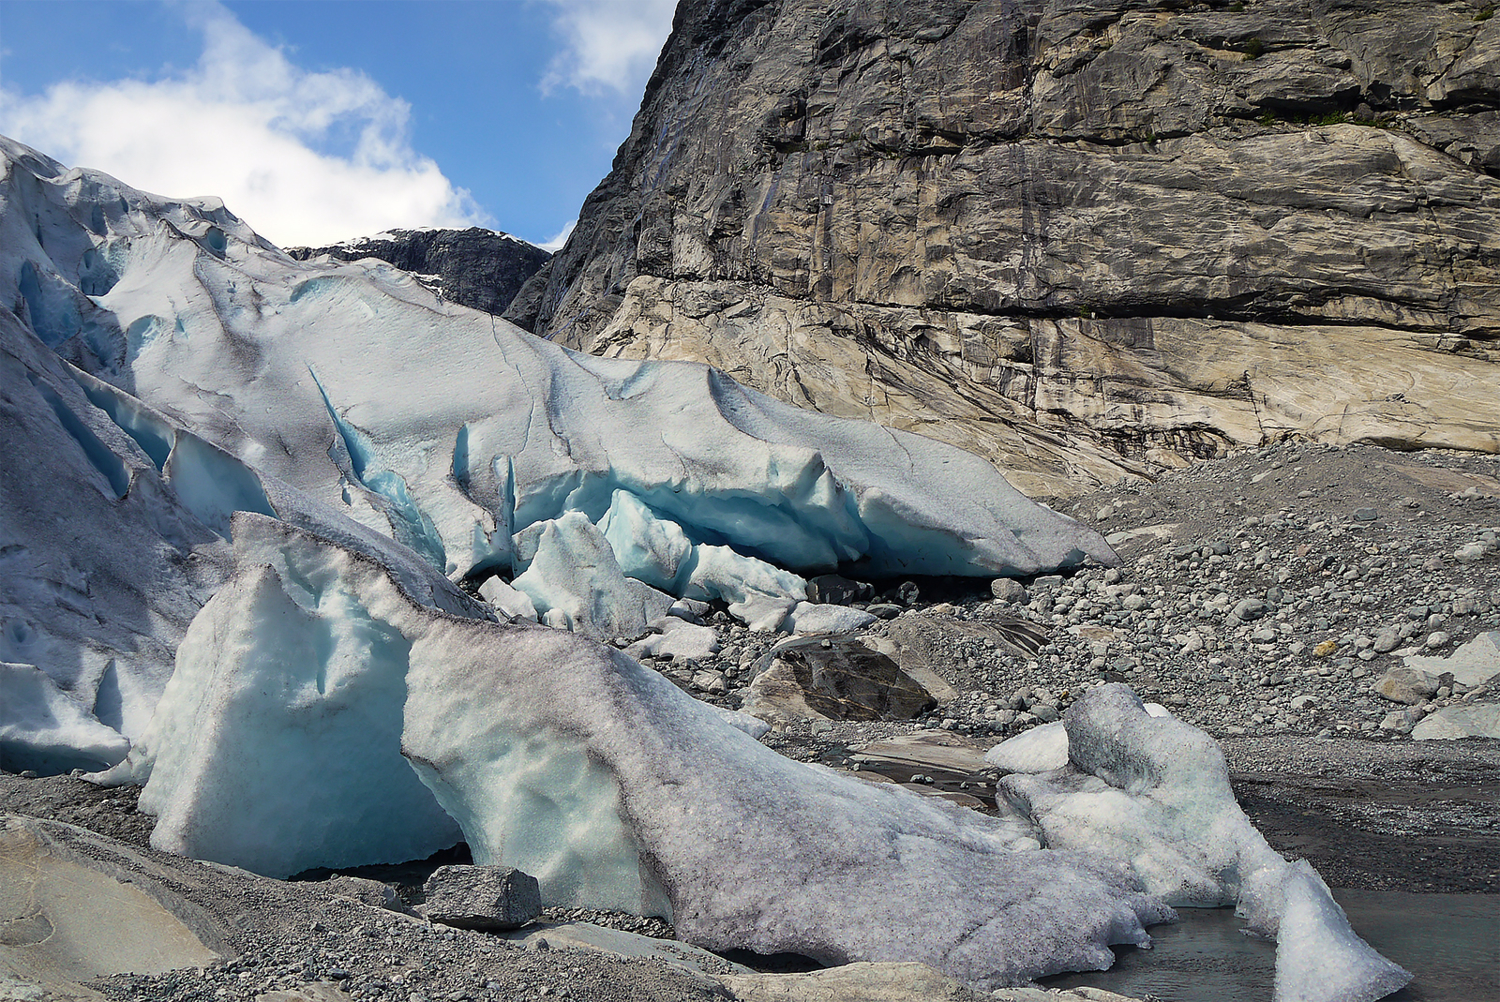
{"type": "Point", "coordinates": [1451, 942]}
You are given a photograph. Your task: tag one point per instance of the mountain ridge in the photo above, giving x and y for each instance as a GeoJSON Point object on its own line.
{"type": "Point", "coordinates": [471, 266]}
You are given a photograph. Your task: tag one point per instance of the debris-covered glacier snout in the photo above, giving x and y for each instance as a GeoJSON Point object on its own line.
{"type": "Point", "coordinates": [745, 848]}
{"type": "Point", "coordinates": [570, 761]}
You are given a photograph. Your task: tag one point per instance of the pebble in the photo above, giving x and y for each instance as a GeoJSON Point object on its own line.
{"type": "Point", "coordinates": [1470, 553]}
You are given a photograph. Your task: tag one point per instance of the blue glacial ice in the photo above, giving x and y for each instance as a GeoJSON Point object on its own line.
{"type": "Point", "coordinates": [46, 730]}
{"type": "Point", "coordinates": [284, 668]}
{"type": "Point", "coordinates": [449, 429]}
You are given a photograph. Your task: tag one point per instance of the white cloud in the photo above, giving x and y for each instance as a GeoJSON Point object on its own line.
{"type": "Point", "coordinates": [304, 158]}
{"type": "Point", "coordinates": [555, 242]}
{"type": "Point", "coordinates": [610, 44]}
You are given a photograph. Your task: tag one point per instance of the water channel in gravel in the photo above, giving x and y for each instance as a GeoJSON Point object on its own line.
{"type": "Point", "coordinates": [1451, 942]}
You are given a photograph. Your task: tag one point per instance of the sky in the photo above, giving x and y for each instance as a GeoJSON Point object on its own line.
{"type": "Point", "coordinates": [323, 120]}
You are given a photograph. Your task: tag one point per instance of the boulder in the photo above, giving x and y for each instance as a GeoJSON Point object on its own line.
{"type": "Point", "coordinates": [1407, 685]}
{"type": "Point", "coordinates": [843, 681]}
{"type": "Point", "coordinates": [835, 589]}
{"type": "Point", "coordinates": [1009, 591]}
{"type": "Point", "coordinates": [68, 917]}
{"type": "Point", "coordinates": [482, 897]}
{"type": "Point", "coordinates": [925, 751]}
{"type": "Point", "coordinates": [318, 991]}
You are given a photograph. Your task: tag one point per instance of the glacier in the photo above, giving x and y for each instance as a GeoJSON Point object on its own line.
{"type": "Point", "coordinates": [165, 367]}
{"type": "Point", "coordinates": [242, 492]}
{"type": "Point", "coordinates": [450, 429]}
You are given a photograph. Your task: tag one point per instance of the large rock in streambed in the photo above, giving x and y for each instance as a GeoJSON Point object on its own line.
{"type": "Point", "coordinates": [834, 680]}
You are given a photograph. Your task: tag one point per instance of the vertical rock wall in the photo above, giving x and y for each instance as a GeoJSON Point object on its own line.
{"type": "Point", "coordinates": [1082, 238]}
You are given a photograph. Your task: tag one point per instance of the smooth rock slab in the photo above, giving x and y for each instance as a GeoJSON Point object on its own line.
{"type": "Point", "coordinates": [66, 918]}
{"type": "Point", "coordinates": [1459, 722]}
{"type": "Point", "coordinates": [482, 897]}
{"type": "Point", "coordinates": [1474, 663]}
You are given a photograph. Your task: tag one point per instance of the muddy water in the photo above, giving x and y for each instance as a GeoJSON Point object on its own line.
{"type": "Point", "coordinates": [1451, 942]}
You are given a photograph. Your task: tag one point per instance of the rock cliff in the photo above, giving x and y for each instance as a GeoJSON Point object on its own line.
{"type": "Point", "coordinates": [1083, 238]}
{"type": "Point", "coordinates": [475, 267]}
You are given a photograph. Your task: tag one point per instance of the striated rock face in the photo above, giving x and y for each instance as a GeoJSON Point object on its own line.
{"type": "Point", "coordinates": [1081, 238]}
{"type": "Point", "coordinates": [478, 268]}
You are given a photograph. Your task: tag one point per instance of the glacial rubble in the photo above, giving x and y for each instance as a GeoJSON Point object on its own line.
{"type": "Point", "coordinates": [1266, 593]}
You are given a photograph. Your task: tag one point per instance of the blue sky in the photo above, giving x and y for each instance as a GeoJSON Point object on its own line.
{"type": "Point", "coordinates": [319, 120]}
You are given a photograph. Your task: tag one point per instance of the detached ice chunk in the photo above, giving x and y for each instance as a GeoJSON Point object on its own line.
{"type": "Point", "coordinates": [809, 617]}
{"type": "Point", "coordinates": [1154, 792]}
{"type": "Point", "coordinates": [42, 728]}
{"type": "Point", "coordinates": [753, 726]}
{"type": "Point", "coordinates": [1319, 958]}
{"type": "Point", "coordinates": [1040, 749]}
{"type": "Point", "coordinates": [719, 572]}
{"type": "Point", "coordinates": [275, 746]}
{"type": "Point", "coordinates": [575, 763]}
{"type": "Point", "coordinates": [575, 583]}
{"type": "Point", "coordinates": [1043, 748]}
{"type": "Point", "coordinates": [658, 551]}
{"type": "Point", "coordinates": [761, 613]}
{"type": "Point", "coordinates": [513, 602]}
{"type": "Point", "coordinates": [647, 547]}
{"type": "Point", "coordinates": [677, 637]}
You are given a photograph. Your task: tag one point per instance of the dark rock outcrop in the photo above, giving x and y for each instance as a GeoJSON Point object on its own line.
{"type": "Point", "coordinates": [1081, 237]}
{"type": "Point", "coordinates": [478, 268]}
